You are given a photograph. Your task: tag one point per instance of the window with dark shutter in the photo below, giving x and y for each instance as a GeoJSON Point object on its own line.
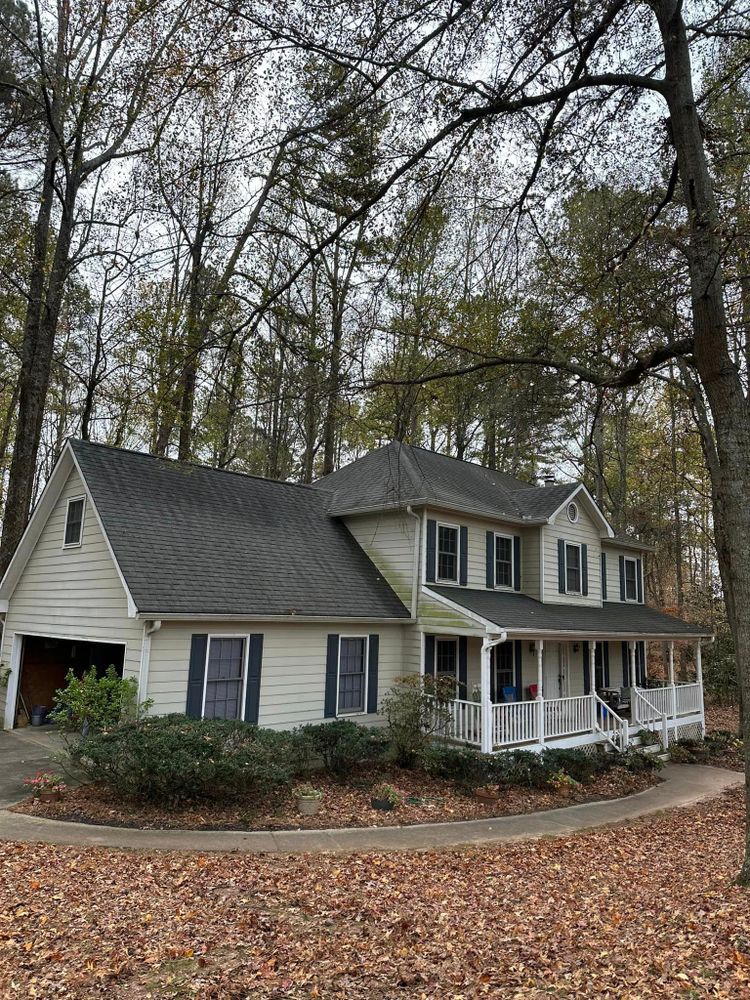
{"type": "Point", "coordinates": [447, 553]}
{"type": "Point", "coordinates": [74, 521]}
{"type": "Point", "coordinates": [631, 580]}
{"type": "Point", "coordinates": [504, 674]}
{"type": "Point", "coordinates": [224, 673]}
{"type": "Point", "coordinates": [446, 657]}
{"type": "Point", "coordinates": [352, 674]}
{"type": "Point", "coordinates": [503, 561]}
{"type": "Point", "coordinates": [572, 568]}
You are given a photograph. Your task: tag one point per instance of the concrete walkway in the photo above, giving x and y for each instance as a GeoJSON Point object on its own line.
{"type": "Point", "coordinates": [683, 785]}
{"type": "Point", "coordinates": [23, 752]}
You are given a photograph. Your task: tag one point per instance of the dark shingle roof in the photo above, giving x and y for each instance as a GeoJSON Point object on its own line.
{"type": "Point", "coordinates": [194, 540]}
{"type": "Point", "coordinates": [518, 612]}
{"type": "Point", "coordinates": [398, 474]}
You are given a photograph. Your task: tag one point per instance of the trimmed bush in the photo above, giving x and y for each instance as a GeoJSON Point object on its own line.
{"type": "Point", "coordinates": [96, 701]}
{"type": "Point", "coordinates": [343, 745]}
{"type": "Point", "coordinates": [172, 758]}
{"type": "Point", "coordinates": [460, 764]}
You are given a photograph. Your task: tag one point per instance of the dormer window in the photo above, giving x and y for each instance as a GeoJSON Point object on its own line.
{"type": "Point", "coordinates": [447, 553]}
{"type": "Point", "coordinates": [74, 522]}
{"type": "Point", "coordinates": [631, 580]}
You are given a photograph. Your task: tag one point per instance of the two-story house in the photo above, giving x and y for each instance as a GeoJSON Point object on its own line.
{"type": "Point", "coordinates": [236, 596]}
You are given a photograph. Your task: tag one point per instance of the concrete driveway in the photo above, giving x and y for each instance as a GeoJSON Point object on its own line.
{"type": "Point", "coordinates": [23, 752]}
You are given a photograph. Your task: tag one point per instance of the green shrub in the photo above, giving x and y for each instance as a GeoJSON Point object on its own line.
{"type": "Point", "coordinates": [173, 758]}
{"type": "Point", "coordinates": [638, 763]}
{"type": "Point", "coordinates": [416, 709]}
{"type": "Point", "coordinates": [343, 745]}
{"type": "Point", "coordinates": [460, 764]}
{"type": "Point", "coordinates": [582, 767]}
{"type": "Point", "coordinates": [95, 702]}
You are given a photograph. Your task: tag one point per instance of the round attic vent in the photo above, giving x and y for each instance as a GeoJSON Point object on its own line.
{"type": "Point", "coordinates": [573, 512]}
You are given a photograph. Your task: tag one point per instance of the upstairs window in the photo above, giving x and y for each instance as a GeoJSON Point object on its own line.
{"type": "Point", "coordinates": [503, 561]}
{"type": "Point", "coordinates": [631, 580]}
{"type": "Point", "coordinates": [572, 568]}
{"type": "Point", "coordinates": [447, 553]}
{"type": "Point", "coordinates": [74, 522]}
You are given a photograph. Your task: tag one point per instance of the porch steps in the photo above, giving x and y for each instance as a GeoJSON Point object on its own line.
{"type": "Point", "coordinates": [636, 743]}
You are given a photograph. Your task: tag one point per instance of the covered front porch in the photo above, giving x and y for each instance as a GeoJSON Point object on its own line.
{"type": "Point", "coordinates": [513, 690]}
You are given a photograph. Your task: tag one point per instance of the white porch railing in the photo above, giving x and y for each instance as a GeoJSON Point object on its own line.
{"type": "Point", "coordinates": [684, 699]}
{"type": "Point", "coordinates": [567, 716]}
{"type": "Point", "coordinates": [688, 699]}
{"type": "Point", "coordinates": [648, 715]}
{"type": "Point", "coordinates": [515, 722]}
{"type": "Point", "coordinates": [464, 722]}
{"type": "Point", "coordinates": [660, 698]}
{"type": "Point", "coordinates": [610, 725]}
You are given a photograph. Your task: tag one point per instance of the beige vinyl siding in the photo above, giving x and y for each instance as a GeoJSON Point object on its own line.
{"type": "Point", "coordinates": [613, 570]}
{"type": "Point", "coordinates": [388, 539]}
{"type": "Point", "coordinates": [73, 592]}
{"type": "Point", "coordinates": [584, 531]}
{"type": "Point", "coordinates": [293, 672]}
{"type": "Point", "coordinates": [528, 666]}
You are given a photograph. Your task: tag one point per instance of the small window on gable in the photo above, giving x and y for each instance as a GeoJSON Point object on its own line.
{"type": "Point", "coordinates": [74, 522]}
{"type": "Point", "coordinates": [573, 512]}
{"type": "Point", "coordinates": [631, 580]}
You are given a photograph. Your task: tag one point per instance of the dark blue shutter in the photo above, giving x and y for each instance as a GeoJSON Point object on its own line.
{"type": "Point", "coordinates": [490, 551]}
{"type": "Point", "coordinates": [463, 554]}
{"type": "Point", "coordinates": [605, 663]}
{"type": "Point", "coordinates": [429, 655]}
{"type": "Point", "coordinates": [638, 580]}
{"type": "Point", "coordinates": [625, 665]}
{"type": "Point", "coordinates": [561, 565]}
{"type": "Point", "coordinates": [604, 576]}
{"type": "Point", "coordinates": [622, 578]}
{"type": "Point", "coordinates": [372, 673]}
{"type": "Point", "coordinates": [640, 661]}
{"type": "Point", "coordinates": [518, 657]}
{"type": "Point", "coordinates": [516, 562]}
{"type": "Point", "coordinates": [431, 550]}
{"type": "Point", "coordinates": [584, 570]}
{"type": "Point", "coordinates": [463, 675]}
{"type": "Point", "coordinates": [586, 670]}
{"type": "Point", "coordinates": [196, 675]}
{"type": "Point", "coordinates": [332, 677]}
{"type": "Point", "coordinates": [252, 688]}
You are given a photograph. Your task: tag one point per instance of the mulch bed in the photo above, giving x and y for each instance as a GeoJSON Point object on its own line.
{"type": "Point", "coordinates": [427, 800]}
{"type": "Point", "coordinates": [722, 717]}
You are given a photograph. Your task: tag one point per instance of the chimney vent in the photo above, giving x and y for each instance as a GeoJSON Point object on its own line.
{"type": "Point", "coordinates": [548, 479]}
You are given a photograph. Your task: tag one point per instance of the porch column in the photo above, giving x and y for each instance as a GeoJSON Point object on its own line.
{"type": "Point", "coordinates": [671, 679]}
{"type": "Point", "coordinates": [631, 661]}
{"type": "Point", "coordinates": [699, 681]}
{"type": "Point", "coordinates": [592, 683]}
{"type": "Point", "coordinates": [540, 687]}
{"type": "Point", "coordinates": [486, 700]}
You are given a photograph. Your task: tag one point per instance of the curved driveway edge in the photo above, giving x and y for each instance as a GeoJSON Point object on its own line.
{"type": "Point", "coordinates": [683, 785]}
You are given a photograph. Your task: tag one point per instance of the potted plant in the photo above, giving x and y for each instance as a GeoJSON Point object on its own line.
{"type": "Point", "coordinates": [385, 797]}
{"type": "Point", "coordinates": [563, 783]}
{"type": "Point", "coordinates": [46, 786]}
{"type": "Point", "coordinates": [309, 799]}
{"type": "Point", "coordinates": [487, 793]}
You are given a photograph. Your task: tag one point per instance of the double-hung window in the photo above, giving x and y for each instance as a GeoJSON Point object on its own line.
{"type": "Point", "coordinates": [631, 580]}
{"type": "Point", "coordinates": [572, 568]}
{"type": "Point", "coordinates": [446, 658]}
{"type": "Point", "coordinates": [503, 668]}
{"type": "Point", "coordinates": [503, 561]}
{"type": "Point", "coordinates": [225, 669]}
{"type": "Point", "coordinates": [352, 686]}
{"type": "Point", "coordinates": [447, 553]}
{"type": "Point", "coordinates": [74, 522]}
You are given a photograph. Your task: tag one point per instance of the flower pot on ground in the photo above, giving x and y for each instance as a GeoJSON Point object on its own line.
{"type": "Point", "coordinates": [385, 797]}
{"type": "Point", "coordinates": [309, 799]}
{"type": "Point", "coordinates": [46, 786]}
{"type": "Point", "coordinates": [50, 795]}
{"type": "Point", "coordinates": [487, 793]}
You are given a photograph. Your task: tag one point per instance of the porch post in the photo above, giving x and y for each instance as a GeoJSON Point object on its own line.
{"type": "Point", "coordinates": [699, 680]}
{"type": "Point", "coordinates": [486, 701]}
{"type": "Point", "coordinates": [631, 661]}
{"type": "Point", "coordinates": [671, 679]}
{"type": "Point", "coordinates": [592, 683]}
{"type": "Point", "coordinates": [540, 687]}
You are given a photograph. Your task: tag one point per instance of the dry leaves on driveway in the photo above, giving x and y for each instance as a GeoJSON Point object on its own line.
{"type": "Point", "coordinates": [642, 911]}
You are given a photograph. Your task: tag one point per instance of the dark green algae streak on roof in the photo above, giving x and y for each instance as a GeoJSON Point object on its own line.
{"type": "Point", "coordinates": [191, 540]}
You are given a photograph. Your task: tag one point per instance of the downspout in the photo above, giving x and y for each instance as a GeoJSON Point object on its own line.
{"type": "Point", "coordinates": [149, 628]}
{"type": "Point", "coordinates": [416, 562]}
{"type": "Point", "coordinates": [486, 711]}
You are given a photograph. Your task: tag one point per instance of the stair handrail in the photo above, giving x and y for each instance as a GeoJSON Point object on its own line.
{"type": "Point", "coordinates": [657, 716]}
{"type": "Point", "coordinates": [618, 737]}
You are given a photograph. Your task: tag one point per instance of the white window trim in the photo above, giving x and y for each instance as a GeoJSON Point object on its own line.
{"type": "Point", "coordinates": [574, 505]}
{"type": "Point", "coordinates": [457, 529]}
{"type": "Point", "coordinates": [79, 543]}
{"type": "Point", "coordinates": [453, 639]}
{"type": "Point", "coordinates": [245, 657]}
{"type": "Point", "coordinates": [579, 546]}
{"type": "Point", "coordinates": [630, 559]}
{"type": "Point", "coordinates": [503, 586]}
{"type": "Point", "coordinates": [348, 714]}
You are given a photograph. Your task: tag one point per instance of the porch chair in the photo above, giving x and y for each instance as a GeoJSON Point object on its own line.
{"type": "Point", "coordinates": [509, 694]}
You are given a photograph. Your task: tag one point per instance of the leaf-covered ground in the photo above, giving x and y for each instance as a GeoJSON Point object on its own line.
{"type": "Point", "coordinates": [647, 910]}
{"type": "Point", "coordinates": [425, 800]}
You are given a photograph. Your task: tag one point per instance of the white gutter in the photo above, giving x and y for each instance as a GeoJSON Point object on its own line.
{"type": "Point", "coordinates": [416, 561]}
{"type": "Point", "coordinates": [149, 627]}
{"type": "Point", "coordinates": [488, 643]}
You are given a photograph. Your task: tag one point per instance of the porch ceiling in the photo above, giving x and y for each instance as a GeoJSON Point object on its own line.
{"type": "Point", "coordinates": [519, 613]}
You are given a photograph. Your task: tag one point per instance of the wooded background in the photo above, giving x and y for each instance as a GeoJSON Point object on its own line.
{"type": "Point", "coordinates": [229, 234]}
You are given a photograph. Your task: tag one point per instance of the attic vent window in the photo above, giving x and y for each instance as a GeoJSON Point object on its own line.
{"type": "Point", "coordinates": [572, 512]}
{"type": "Point", "coordinates": [74, 522]}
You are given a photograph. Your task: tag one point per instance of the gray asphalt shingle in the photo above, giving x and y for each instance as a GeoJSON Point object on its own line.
{"type": "Point", "coordinates": [516, 611]}
{"type": "Point", "coordinates": [198, 541]}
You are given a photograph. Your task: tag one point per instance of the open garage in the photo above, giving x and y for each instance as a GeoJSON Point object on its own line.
{"type": "Point", "coordinates": [45, 661]}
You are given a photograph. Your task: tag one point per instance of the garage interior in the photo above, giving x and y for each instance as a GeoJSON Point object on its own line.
{"type": "Point", "coordinates": [45, 661]}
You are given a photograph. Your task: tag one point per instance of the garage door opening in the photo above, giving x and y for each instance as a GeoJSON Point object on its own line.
{"type": "Point", "coordinates": [45, 661]}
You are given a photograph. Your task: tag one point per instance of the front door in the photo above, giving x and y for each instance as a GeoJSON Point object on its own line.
{"type": "Point", "coordinates": [555, 669]}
